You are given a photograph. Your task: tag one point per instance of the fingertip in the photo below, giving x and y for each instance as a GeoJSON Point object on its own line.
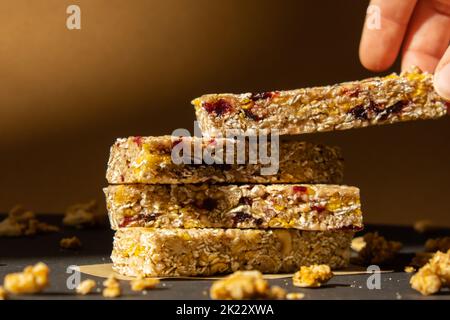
{"type": "Point", "coordinates": [442, 82]}
{"type": "Point", "coordinates": [372, 61]}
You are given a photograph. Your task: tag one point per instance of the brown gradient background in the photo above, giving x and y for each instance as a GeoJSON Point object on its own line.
{"type": "Point", "coordinates": [135, 65]}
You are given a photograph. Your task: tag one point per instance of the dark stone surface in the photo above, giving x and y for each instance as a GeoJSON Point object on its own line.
{"type": "Point", "coordinates": [16, 253]}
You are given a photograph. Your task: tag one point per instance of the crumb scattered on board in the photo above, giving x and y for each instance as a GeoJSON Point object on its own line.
{"type": "Point", "coordinates": [434, 275]}
{"type": "Point", "coordinates": [81, 215]}
{"type": "Point", "coordinates": [245, 285]}
{"type": "Point", "coordinates": [3, 294]}
{"type": "Point", "coordinates": [141, 284]}
{"type": "Point", "coordinates": [410, 269]}
{"type": "Point", "coordinates": [312, 276]}
{"type": "Point", "coordinates": [72, 243]}
{"type": "Point", "coordinates": [111, 287]}
{"type": "Point", "coordinates": [23, 222]}
{"type": "Point", "coordinates": [85, 287]}
{"type": "Point", "coordinates": [295, 296]}
{"type": "Point", "coordinates": [33, 279]}
{"type": "Point", "coordinates": [375, 249]}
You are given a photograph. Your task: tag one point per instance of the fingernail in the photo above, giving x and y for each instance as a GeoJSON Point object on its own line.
{"type": "Point", "coordinates": [442, 82]}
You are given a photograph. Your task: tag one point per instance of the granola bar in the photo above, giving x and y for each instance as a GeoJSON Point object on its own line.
{"type": "Point", "coordinates": [380, 100]}
{"type": "Point", "coordinates": [203, 252]}
{"type": "Point", "coordinates": [306, 207]}
{"type": "Point", "coordinates": [149, 160]}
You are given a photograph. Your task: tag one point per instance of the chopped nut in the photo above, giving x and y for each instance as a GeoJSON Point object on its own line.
{"type": "Point", "coordinates": [81, 215]}
{"type": "Point", "coordinates": [295, 296]}
{"type": "Point", "coordinates": [22, 222]}
{"type": "Point", "coordinates": [70, 243]}
{"type": "Point", "coordinates": [143, 284]}
{"type": "Point", "coordinates": [112, 287]}
{"type": "Point", "coordinates": [33, 279]}
{"type": "Point", "coordinates": [438, 244]}
{"type": "Point", "coordinates": [434, 275]}
{"type": "Point", "coordinates": [86, 287]}
{"type": "Point", "coordinates": [312, 276]}
{"type": "Point", "coordinates": [245, 285]}
{"type": "Point", "coordinates": [358, 244]}
{"type": "Point", "coordinates": [3, 294]}
{"type": "Point", "coordinates": [377, 250]}
{"type": "Point", "coordinates": [410, 269]}
{"type": "Point", "coordinates": [423, 226]}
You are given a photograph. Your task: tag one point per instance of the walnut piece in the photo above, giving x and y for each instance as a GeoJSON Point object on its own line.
{"type": "Point", "coordinates": [377, 250]}
{"type": "Point", "coordinates": [312, 276]}
{"type": "Point", "coordinates": [438, 244]}
{"type": "Point", "coordinates": [70, 243]}
{"type": "Point", "coordinates": [434, 275]}
{"type": "Point", "coordinates": [33, 279]}
{"type": "Point", "coordinates": [141, 284]}
{"type": "Point", "coordinates": [245, 285]}
{"type": "Point", "coordinates": [86, 287]}
{"type": "Point", "coordinates": [23, 222]}
{"type": "Point", "coordinates": [81, 215]}
{"type": "Point", "coordinates": [112, 287]}
{"type": "Point", "coordinates": [295, 296]}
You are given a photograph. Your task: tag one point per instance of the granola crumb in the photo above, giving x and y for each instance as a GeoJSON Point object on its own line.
{"type": "Point", "coordinates": [423, 226]}
{"type": "Point", "coordinates": [434, 275]}
{"type": "Point", "coordinates": [33, 279]}
{"type": "Point", "coordinates": [141, 284]}
{"type": "Point", "coordinates": [438, 244]}
{"type": "Point", "coordinates": [86, 287]}
{"type": "Point", "coordinates": [410, 269]}
{"type": "Point", "coordinates": [358, 244]}
{"type": "Point", "coordinates": [23, 222]}
{"type": "Point", "coordinates": [312, 276]}
{"type": "Point", "coordinates": [81, 215]}
{"type": "Point", "coordinates": [112, 287]}
{"type": "Point", "coordinates": [3, 294]}
{"type": "Point", "coordinates": [295, 296]}
{"type": "Point", "coordinates": [245, 285]}
{"type": "Point", "coordinates": [377, 249]}
{"type": "Point", "coordinates": [70, 243]}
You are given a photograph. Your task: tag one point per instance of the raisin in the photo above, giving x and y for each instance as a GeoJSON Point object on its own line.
{"type": "Point", "coordinates": [259, 221]}
{"type": "Point", "coordinates": [299, 189]}
{"type": "Point", "coordinates": [394, 109]}
{"type": "Point", "coordinates": [148, 217]}
{"type": "Point", "coordinates": [245, 200]}
{"type": "Point", "coordinates": [241, 217]}
{"type": "Point", "coordinates": [263, 95]}
{"type": "Point", "coordinates": [319, 209]}
{"type": "Point", "coordinates": [219, 107]}
{"type": "Point", "coordinates": [138, 141]}
{"type": "Point", "coordinates": [207, 204]}
{"type": "Point", "coordinates": [359, 112]}
{"type": "Point", "coordinates": [249, 114]}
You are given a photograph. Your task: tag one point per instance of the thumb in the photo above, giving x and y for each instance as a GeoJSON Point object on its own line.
{"type": "Point", "coordinates": [442, 76]}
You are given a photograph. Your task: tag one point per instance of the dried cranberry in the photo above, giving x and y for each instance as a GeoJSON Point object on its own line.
{"type": "Point", "coordinates": [126, 221]}
{"type": "Point", "coordinates": [175, 142]}
{"type": "Point", "coordinates": [218, 107]}
{"type": "Point", "coordinates": [299, 189]}
{"type": "Point", "coordinates": [138, 141]}
{"type": "Point", "coordinates": [263, 95]}
{"type": "Point", "coordinates": [319, 209]}
{"type": "Point", "coordinates": [245, 200]}
{"type": "Point", "coordinates": [447, 104]}
{"type": "Point", "coordinates": [359, 112]}
{"type": "Point", "coordinates": [353, 92]}
{"type": "Point", "coordinates": [249, 114]}
{"type": "Point", "coordinates": [122, 178]}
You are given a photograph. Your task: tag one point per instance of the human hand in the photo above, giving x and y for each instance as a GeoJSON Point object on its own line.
{"type": "Point", "coordinates": [423, 26]}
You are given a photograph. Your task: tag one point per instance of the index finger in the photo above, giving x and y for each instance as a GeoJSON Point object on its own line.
{"type": "Point", "coordinates": [381, 42]}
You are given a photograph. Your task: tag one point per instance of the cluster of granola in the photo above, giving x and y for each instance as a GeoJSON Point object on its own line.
{"type": "Point", "coordinates": [438, 244]}
{"type": "Point", "coordinates": [23, 222]}
{"type": "Point", "coordinates": [33, 279]}
{"type": "Point", "coordinates": [434, 275]}
{"type": "Point", "coordinates": [312, 276]}
{"type": "Point", "coordinates": [112, 287]}
{"type": "Point", "coordinates": [245, 285]}
{"type": "Point", "coordinates": [81, 215]}
{"type": "Point", "coordinates": [85, 287]}
{"type": "Point", "coordinates": [375, 249]}
{"type": "Point", "coordinates": [70, 243]}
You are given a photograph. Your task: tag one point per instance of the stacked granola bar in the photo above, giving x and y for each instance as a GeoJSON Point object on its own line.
{"type": "Point", "coordinates": [199, 218]}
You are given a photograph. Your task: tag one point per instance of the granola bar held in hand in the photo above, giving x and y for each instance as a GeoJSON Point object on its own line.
{"type": "Point", "coordinates": [305, 207]}
{"type": "Point", "coordinates": [380, 100]}
{"type": "Point", "coordinates": [203, 252]}
{"type": "Point", "coordinates": [149, 160]}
